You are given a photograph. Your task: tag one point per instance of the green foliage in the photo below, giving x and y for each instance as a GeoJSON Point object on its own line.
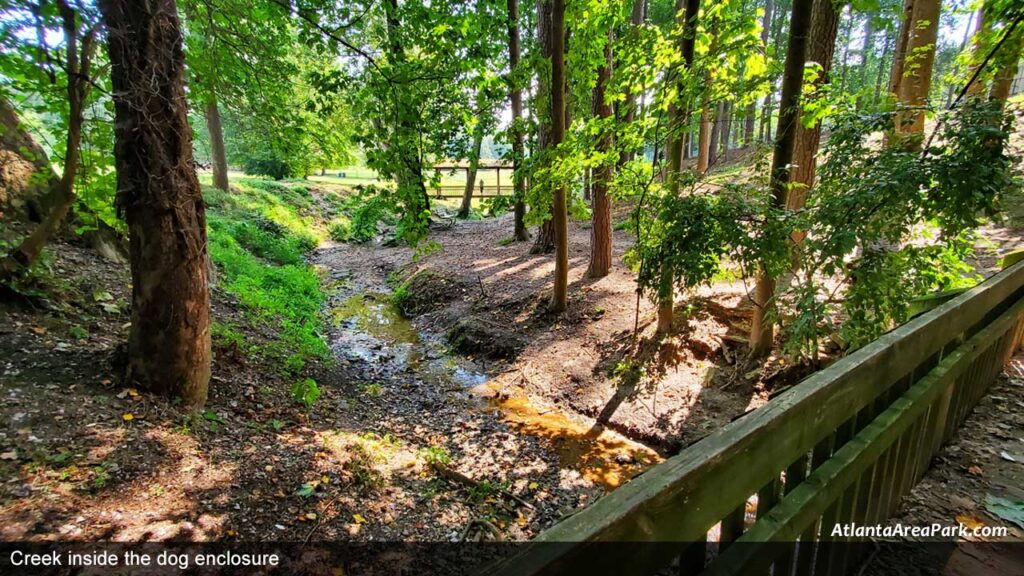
{"type": "Point", "coordinates": [258, 239]}
{"type": "Point", "coordinates": [305, 392]}
{"type": "Point", "coordinates": [272, 167]}
{"type": "Point", "coordinates": [435, 455]}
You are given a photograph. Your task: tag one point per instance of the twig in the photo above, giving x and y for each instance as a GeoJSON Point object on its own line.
{"type": "Point", "coordinates": [454, 475]}
{"type": "Point", "coordinates": [319, 520]}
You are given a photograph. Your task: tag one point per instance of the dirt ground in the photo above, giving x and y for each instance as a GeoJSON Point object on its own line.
{"type": "Point", "coordinates": [84, 458]}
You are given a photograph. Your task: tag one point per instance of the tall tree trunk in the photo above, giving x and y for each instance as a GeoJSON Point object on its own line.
{"type": "Point", "coordinates": [409, 177]}
{"type": "Point", "coordinates": [865, 48]}
{"type": "Point", "coordinates": [951, 88]}
{"type": "Point", "coordinates": [821, 45]}
{"type": "Point", "coordinates": [635, 20]}
{"type": "Point", "coordinates": [61, 195]}
{"type": "Point", "coordinates": [764, 132]}
{"type": "Point", "coordinates": [881, 68]}
{"type": "Point", "coordinates": [516, 96]}
{"type": "Point", "coordinates": [847, 39]}
{"type": "Point", "coordinates": [704, 139]}
{"type": "Point", "coordinates": [687, 12]}
{"type": "Point", "coordinates": [1006, 66]}
{"type": "Point", "coordinates": [762, 327]}
{"type": "Point", "coordinates": [982, 25]}
{"type": "Point", "coordinates": [559, 210]}
{"type": "Point", "coordinates": [545, 241]}
{"type": "Point", "coordinates": [601, 211]}
{"type": "Point", "coordinates": [474, 165]}
{"type": "Point", "coordinates": [900, 54]}
{"type": "Point", "coordinates": [917, 70]}
{"type": "Point", "coordinates": [158, 194]}
{"type": "Point", "coordinates": [716, 134]}
{"type": "Point", "coordinates": [474, 158]}
{"type": "Point", "coordinates": [726, 137]}
{"type": "Point", "coordinates": [219, 159]}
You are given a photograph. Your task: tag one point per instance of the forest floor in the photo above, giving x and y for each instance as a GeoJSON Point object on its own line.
{"type": "Point", "coordinates": [475, 415]}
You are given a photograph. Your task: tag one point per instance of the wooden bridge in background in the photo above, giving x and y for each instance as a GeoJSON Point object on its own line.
{"type": "Point", "coordinates": [762, 494]}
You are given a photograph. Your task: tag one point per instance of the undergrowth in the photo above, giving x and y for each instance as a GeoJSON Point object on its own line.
{"type": "Point", "coordinates": [259, 235]}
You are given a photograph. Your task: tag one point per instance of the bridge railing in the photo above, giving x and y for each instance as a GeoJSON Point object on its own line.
{"type": "Point", "coordinates": [841, 447]}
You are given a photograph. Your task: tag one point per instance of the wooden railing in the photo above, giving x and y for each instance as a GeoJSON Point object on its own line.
{"type": "Point", "coordinates": [843, 446]}
{"type": "Point", "coordinates": [481, 190]}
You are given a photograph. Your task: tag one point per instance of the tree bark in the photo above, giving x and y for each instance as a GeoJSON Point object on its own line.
{"type": "Point", "coordinates": [679, 114]}
{"type": "Point", "coordinates": [218, 158]}
{"type": "Point", "coordinates": [704, 140]}
{"type": "Point", "coordinates": [601, 210]}
{"type": "Point", "coordinates": [762, 331]}
{"type": "Point", "coordinates": [764, 131]}
{"type": "Point", "coordinates": [899, 56]}
{"type": "Point", "coordinates": [158, 194]}
{"type": "Point", "coordinates": [821, 45]}
{"type": "Point", "coordinates": [521, 234]}
{"type": "Point", "coordinates": [545, 242]}
{"type": "Point", "coordinates": [716, 134]}
{"type": "Point", "coordinates": [559, 209]}
{"type": "Point", "coordinates": [636, 19]}
{"type": "Point", "coordinates": [917, 70]}
{"type": "Point", "coordinates": [474, 159]}
{"type": "Point", "coordinates": [1006, 67]}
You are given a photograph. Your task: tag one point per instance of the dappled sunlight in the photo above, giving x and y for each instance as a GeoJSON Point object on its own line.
{"type": "Point", "coordinates": [600, 455]}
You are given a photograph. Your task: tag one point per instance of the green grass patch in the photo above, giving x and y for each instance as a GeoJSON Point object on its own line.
{"type": "Point", "coordinates": [259, 235]}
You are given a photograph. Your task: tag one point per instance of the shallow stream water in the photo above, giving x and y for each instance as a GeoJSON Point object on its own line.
{"type": "Point", "coordinates": [370, 329]}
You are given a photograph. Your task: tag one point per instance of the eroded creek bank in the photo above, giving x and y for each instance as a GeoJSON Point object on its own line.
{"type": "Point", "coordinates": [430, 383]}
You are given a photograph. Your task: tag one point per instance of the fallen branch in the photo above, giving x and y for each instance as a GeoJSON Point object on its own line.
{"type": "Point", "coordinates": [453, 475]}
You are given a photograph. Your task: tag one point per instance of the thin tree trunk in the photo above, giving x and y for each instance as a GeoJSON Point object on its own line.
{"type": "Point", "coordinates": [636, 19]}
{"type": "Point", "coordinates": [899, 56]}
{"type": "Point", "coordinates": [601, 211]}
{"type": "Point", "coordinates": [917, 76]}
{"type": "Point", "coordinates": [559, 210]}
{"type": "Point", "coordinates": [159, 195]}
{"type": "Point", "coordinates": [474, 164]}
{"type": "Point", "coordinates": [881, 68]}
{"type": "Point", "coordinates": [977, 88]}
{"type": "Point", "coordinates": [218, 158]}
{"type": "Point", "coordinates": [545, 242]}
{"type": "Point", "coordinates": [764, 132]}
{"type": "Point", "coordinates": [687, 11]}
{"type": "Point", "coordinates": [951, 88]}
{"type": "Point", "coordinates": [716, 134]}
{"type": "Point", "coordinates": [847, 37]}
{"type": "Point", "coordinates": [704, 140]}
{"type": "Point", "coordinates": [61, 195]}
{"type": "Point", "coordinates": [409, 177]}
{"type": "Point", "coordinates": [726, 137]}
{"type": "Point", "coordinates": [762, 331]}
{"type": "Point", "coordinates": [865, 47]}
{"type": "Point", "coordinates": [521, 234]}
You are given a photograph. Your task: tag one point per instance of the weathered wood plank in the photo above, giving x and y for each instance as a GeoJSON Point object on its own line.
{"type": "Point", "coordinates": [681, 498]}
